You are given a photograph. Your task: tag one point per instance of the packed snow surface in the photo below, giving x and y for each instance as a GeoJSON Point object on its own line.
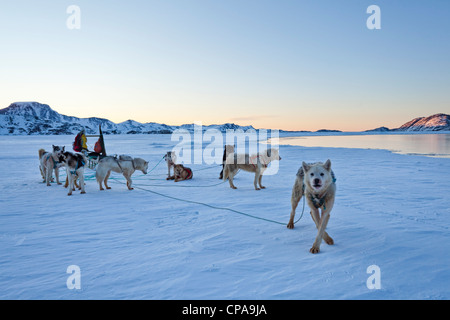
{"type": "Point", "coordinates": [391, 211]}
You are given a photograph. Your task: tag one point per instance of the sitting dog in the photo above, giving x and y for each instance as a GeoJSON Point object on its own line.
{"type": "Point", "coordinates": [181, 173]}
{"type": "Point", "coordinates": [256, 163]}
{"type": "Point", "coordinates": [170, 158]}
{"type": "Point", "coordinates": [122, 164]}
{"type": "Point", "coordinates": [49, 162]}
{"type": "Point", "coordinates": [318, 184]}
{"type": "Point", "coordinates": [227, 150]}
{"type": "Point", "coordinates": [75, 163]}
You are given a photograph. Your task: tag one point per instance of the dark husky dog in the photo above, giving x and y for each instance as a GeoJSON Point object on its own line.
{"type": "Point", "coordinates": [75, 163]}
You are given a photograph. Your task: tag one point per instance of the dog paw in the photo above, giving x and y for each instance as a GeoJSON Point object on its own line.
{"type": "Point", "coordinates": [108, 188]}
{"type": "Point", "coordinates": [69, 194]}
{"type": "Point", "coordinates": [290, 225]}
{"type": "Point", "coordinates": [262, 187]}
{"type": "Point", "coordinates": [257, 189]}
{"type": "Point", "coordinates": [329, 241]}
{"type": "Point", "coordinates": [233, 187]}
{"type": "Point", "coordinates": [314, 250]}
{"type": "Point", "coordinates": [82, 192]}
{"type": "Point", "coordinates": [59, 183]}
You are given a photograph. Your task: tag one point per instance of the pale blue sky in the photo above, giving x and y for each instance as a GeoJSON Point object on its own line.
{"type": "Point", "coordinates": [296, 65]}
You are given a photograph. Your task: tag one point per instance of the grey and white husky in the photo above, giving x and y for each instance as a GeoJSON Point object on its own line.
{"type": "Point", "coordinates": [171, 158]}
{"type": "Point", "coordinates": [49, 161]}
{"type": "Point", "coordinates": [121, 164]}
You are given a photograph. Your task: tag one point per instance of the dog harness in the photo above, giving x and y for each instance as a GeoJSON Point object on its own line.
{"type": "Point", "coordinates": [80, 163]}
{"type": "Point", "coordinates": [118, 163]}
{"type": "Point", "coordinates": [317, 202]}
{"type": "Point", "coordinates": [190, 174]}
{"type": "Point", "coordinates": [254, 165]}
{"type": "Point", "coordinates": [55, 163]}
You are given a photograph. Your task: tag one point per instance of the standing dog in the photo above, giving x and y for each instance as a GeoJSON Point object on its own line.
{"type": "Point", "coordinates": [256, 163]}
{"type": "Point", "coordinates": [75, 163]}
{"type": "Point", "coordinates": [49, 162]}
{"type": "Point", "coordinates": [227, 150]}
{"type": "Point", "coordinates": [170, 158]}
{"type": "Point", "coordinates": [122, 164]}
{"type": "Point", "coordinates": [181, 173]}
{"type": "Point", "coordinates": [318, 184]}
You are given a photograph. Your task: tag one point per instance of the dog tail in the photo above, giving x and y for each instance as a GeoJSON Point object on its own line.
{"type": "Point", "coordinates": [41, 153]}
{"type": "Point", "coordinates": [98, 176]}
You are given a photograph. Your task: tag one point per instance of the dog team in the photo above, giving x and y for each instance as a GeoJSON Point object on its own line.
{"type": "Point", "coordinates": [314, 181]}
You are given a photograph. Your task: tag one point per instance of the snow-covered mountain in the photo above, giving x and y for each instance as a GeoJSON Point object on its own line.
{"type": "Point", "coordinates": [33, 118]}
{"type": "Point", "coordinates": [436, 122]}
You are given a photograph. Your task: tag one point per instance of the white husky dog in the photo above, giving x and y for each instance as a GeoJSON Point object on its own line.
{"type": "Point", "coordinates": [49, 161]}
{"type": "Point", "coordinates": [318, 184]}
{"type": "Point", "coordinates": [171, 158]}
{"type": "Point", "coordinates": [122, 164]}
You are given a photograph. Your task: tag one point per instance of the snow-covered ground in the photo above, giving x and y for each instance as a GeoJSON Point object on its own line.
{"type": "Point", "coordinates": [391, 210]}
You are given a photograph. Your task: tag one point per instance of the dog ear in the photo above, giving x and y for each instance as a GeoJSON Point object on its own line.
{"type": "Point", "coordinates": [305, 166]}
{"type": "Point", "coordinates": [269, 152]}
{"type": "Point", "coordinates": [327, 165]}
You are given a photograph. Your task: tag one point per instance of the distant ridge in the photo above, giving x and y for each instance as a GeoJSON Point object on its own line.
{"type": "Point", "coordinates": [33, 118]}
{"type": "Point", "coordinates": [436, 122]}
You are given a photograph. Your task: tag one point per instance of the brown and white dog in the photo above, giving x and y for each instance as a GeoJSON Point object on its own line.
{"type": "Point", "coordinates": [181, 173]}
{"type": "Point", "coordinates": [49, 161]}
{"type": "Point", "coordinates": [256, 163]}
{"type": "Point", "coordinates": [318, 184]}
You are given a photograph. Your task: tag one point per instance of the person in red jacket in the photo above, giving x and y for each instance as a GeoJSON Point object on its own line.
{"type": "Point", "coordinates": [80, 143]}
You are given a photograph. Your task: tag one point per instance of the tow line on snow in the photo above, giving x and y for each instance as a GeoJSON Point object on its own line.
{"type": "Point", "coordinates": [214, 207]}
{"type": "Point", "coordinates": [205, 204]}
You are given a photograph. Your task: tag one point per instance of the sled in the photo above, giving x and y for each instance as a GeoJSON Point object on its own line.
{"type": "Point", "coordinates": [95, 157]}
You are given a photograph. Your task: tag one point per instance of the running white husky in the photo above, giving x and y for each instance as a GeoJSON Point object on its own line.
{"type": "Point", "coordinates": [318, 184]}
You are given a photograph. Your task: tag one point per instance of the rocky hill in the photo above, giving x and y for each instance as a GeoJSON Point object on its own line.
{"type": "Point", "coordinates": [437, 122]}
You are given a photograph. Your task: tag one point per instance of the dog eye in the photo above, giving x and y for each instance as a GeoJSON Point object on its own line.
{"type": "Point", "coordinates": [312, 174]}
{"type": "Point", "coordinates": [322, 174]}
